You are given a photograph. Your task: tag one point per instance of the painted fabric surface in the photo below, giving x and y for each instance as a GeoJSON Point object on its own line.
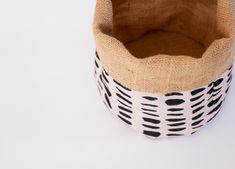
{"type": "Point", "coordinates": [163, 115]}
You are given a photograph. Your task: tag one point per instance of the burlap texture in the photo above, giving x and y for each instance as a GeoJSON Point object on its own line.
{"type": "Point", "coordinates": [163, 73]}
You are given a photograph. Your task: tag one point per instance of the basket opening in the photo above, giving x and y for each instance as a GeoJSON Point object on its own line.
{"type": "Point", "coordinates": [172, 27]}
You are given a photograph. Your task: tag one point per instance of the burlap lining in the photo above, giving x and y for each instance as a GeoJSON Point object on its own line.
{"type": "Point", "coordinates": [162, 72]}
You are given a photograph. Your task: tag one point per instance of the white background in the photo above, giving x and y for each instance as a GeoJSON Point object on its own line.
{"type": "Point", "coordinates": [51, 116]}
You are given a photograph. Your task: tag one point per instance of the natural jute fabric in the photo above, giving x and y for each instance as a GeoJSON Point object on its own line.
{"type": "Point", "coordinates": [164, 73]}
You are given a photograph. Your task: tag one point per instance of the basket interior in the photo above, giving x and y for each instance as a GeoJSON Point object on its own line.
{"type": "Point", "coordinates": [172, 27]}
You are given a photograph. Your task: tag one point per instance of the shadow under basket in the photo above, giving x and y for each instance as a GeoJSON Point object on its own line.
{"type": "Point", "coordinates": [164, 72]}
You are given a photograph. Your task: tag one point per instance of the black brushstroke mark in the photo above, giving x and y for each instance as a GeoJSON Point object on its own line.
{"type": "Point", "coordinates": [150, 105]}
{"type": "Point", "coordinates": [198, 116]}
{"type": "Point", "coordinates": [124, 104]}
{"type": "Point", "coordinates": [105, 78]}
{"type": "Point", "coordinates": [174, 102]}
{"type": "Point", "coordinates": [100, 85]}
{"type": "Point", "coordinates": [196, 98]}
{"type": "Point", "coordinates": [218, 82]}
{"type": "Point", "coordinates": [96, 64]}
{"type": "Point", "coordinates": [175, 120]}
{"type": "Point", "coordinates": [176, 129]}
{"type": "Point", "coordinates": [174, 94]}
{"type": "Point", "coordinates": [155, 121]}
{"type": "Point", "coordinates": [150, 114]}
{"type": "Point", "coordinates": [214, 102]}
{"type": "Point", "coordinates": [150, 98]}
{"type": "Point", "coordinates": [97, 55]}
{"type": "Point", "coordinates": [124, 109]}
{"type": "Point", "coordinates": [122, 85]}
{"type": "Point", "coordinates": [175, 114]}
{"type": "Point", "coordinates": [121, 97]}
{"type": "Point", "coordinates": [214, 115]}
{"type": "Point", "coordinates": [197, 122]}
{"type": "Point", "coordinates": [151, 127]}
{"type": "Point", "coordinates": [197, 127]}
{"type": "Point", "coordinates": [176, 124]}
{"type": "Point", "coordinates": [126, 121]}
{"type": "Point", "coordinates": [106, 72]}
{"type": "Point", "coordinates": [216, 108]}
{"type": "Point", "coordinates": [150, 110]}
{"type": "Point", "coordinates": [197, 104]}
{"type": "Point", "coordinates": [152, 133]}
{"type": "Point", "coordinates": [227, 90]}
{"type": "Point", "coordinates": [173, 135]}
{"type": "Point", "coordinates": [108, 101]}
{"type": "Point", "coordinates": [123, 92]}
{"type": "Point", "coordinates": [125, 115]}
{"type": "Point", "coordinates": [197, 91]}
{"type": "Point", "coordinates": [175, 109]}
{"type": "Point", "coordinates": [198, 109]}
{"type": "Point", "coordinates": [229, 79]}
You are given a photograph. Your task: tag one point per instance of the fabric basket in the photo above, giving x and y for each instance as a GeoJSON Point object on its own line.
{"type": "Point", "coordinates": [164, 68]}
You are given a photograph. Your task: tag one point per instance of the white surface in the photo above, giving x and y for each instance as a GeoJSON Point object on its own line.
{"type": "Point", "coordinates": [47, 118]}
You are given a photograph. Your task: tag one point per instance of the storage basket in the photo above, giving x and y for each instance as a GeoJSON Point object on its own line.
{"type": "Point", "coordinates": [164, 73]}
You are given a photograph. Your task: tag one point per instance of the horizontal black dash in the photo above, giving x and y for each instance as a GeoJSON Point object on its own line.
{"type": "Point", "coordinates": [175, 114]}
{"type": "Point", "coordinates": [151, 127]}
{"type": "Point", "coordinates": [150, 110]}
{"type": "Point", "coordinates": [150, 98]}
{"type": "Point", "coordinates": [150, 105]}
{"type": "Point", "coordinates": [174, 94]}
{"type": "Point", "coordinates": [177, 129]}
{"type": "Point", "coordinates": [176, 124]}
{"type": "Point", "coordinates": [172, 135]}
{"type": "Point", "coordinates": [151, 114]}
{"type": "Point", "coordinates": [150, 120]}
{"type": "Point", "coordinates": [175, 109]}
{"type": "Point", "coordinates": [174, 102]}
{"type": "Point", "coordinates": [152, 133]}
{"type": "Point", "coordinates": [175, 120]}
